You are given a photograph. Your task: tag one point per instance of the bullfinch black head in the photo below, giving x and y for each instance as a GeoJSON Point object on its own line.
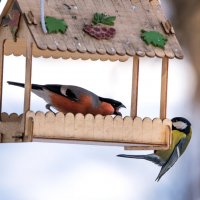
{"type": "Point", "coordinates": [181, 124]}
{"type": "Point", "coordinates": [115, 104]}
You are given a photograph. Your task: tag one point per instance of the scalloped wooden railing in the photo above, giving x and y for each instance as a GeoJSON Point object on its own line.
{"type": "Point", "coordinates": [11, 128]}
{"type": "Point", "coordinates": [135, 134]}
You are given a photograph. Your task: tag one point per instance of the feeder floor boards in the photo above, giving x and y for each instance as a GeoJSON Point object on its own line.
{"type": "Point", "coordinates": [108, 130]}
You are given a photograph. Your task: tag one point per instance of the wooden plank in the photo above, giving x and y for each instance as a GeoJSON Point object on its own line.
{"type": "Point", "coordinates": [128, 129]}
{"type": "Point", "coordinates": [147, 130]}
{"type": "Point", "coordinates": [101, 8]}
{"type": "Point", "coordinates": [28, 133]}
{"type": "Point", "coordinates": [89, 127]}
{"type": "Point", "coordinates": [117, 129]}
{"type": "Point", "coordinates": [11, 128]}
{"type": "Point", "coordinates": [99, 127]}
{"type": "Point", "coordinates": [164, 82]}
{"type": "Point", "coordinates": [74, 29]}
{"type": "Point", "coordinates": [49, 128]}
{"type": "Point", "coordinates": [154, 23]}
{"type": "Point", "coordinates": [158, 130]}
{"type": "Point", "coordinates": [72, 37]}
{"type": "Point", "coordinates": [4, 117]}
{"type": "Point", "coordinates": [36, 31]}
{"type": "Point", "coordinates": [146, 147]}
{"type": "Point", "coordinates": [80, 19]}
{"type": "Point", "coordinates": [28, 71]}
{"type": "Point", "coordinates": [135, 79]}
{"type": "Point", "coordinates": [134, 134]}
{"type": "Point", "coordinates": [108, 129]}
{"type": "Point", "coordinates": [141, 22]}
{"type": "Point", "coordinates": [116, 41]}
{"type": "Point", "coordinates": [168, 137]}
{"type": "Point", "coordinates": [1, 72]}
{"type": "Point", "coordinates": [76, 55]}
{"type": "Point", "coordinates": [128, 34]}
{"type": "Point", "coordinates": [172, 40]}
{"type": "Point", "coordinates": [160, 134]}
{"type": "Point", "coordinates": [57, 38]}
{"type": "Point", "coordinates": [99, 44]}
{"type": "Point", "coordinates": [17, 48]}
{"type": "Point", "coordinates": [168, 123]}
{"type": "Point", "coordinates": [137, 130]}
{"type": "Point", "coordinates": [60, 124]}
{"type": "Point", "coordinates": [79, 124]}
{"type": "Point", "coordinates": [49, 38]}
{"type": "Point", "coordinates": [133, 21]}
{"type": "Point", "coordinates": [69, 125]}
{"type": "Point", "coordinates": [39, 124]}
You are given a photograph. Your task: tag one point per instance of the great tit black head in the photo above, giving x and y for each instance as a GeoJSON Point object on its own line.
{"type": "Point", "coordinates": [181, 124]}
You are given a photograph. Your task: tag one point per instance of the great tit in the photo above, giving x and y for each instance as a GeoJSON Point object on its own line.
{"type": "Point", "coordinates": [74, 99]}
{"type": "Point", "coordinates": [181, 135]}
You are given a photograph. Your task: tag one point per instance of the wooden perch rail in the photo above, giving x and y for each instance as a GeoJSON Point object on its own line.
{"type": "Point", "coordinates": [133, 134]}
{"type": "Point", "coordinates": [107, 129]}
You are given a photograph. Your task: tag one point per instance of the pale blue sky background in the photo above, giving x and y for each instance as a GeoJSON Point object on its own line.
{"type": "Point", "coordinates": [38, 171]}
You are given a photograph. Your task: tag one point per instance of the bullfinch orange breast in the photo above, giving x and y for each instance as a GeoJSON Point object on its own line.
{"type": "Point", "coordinates": [74, 99]}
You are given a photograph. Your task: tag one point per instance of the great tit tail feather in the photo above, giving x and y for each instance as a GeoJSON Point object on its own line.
{"type": "Point", "coordinates": [150, 157]}
{"type": "Point", "coordinates": [132, 156]}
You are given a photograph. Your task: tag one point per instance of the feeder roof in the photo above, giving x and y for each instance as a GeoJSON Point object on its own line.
{"type": "Point", "coordinates": [131, 17]}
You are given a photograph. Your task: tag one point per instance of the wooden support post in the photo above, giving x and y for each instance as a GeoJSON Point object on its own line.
{"type": "Point", "coordinates": [27, 92]}
{"type": "Point", "coordinates": [164, 81]}
{"type": "Point", "coordinates": [134, 95]}
{"type": "Point", "coordinates": [1, 73]}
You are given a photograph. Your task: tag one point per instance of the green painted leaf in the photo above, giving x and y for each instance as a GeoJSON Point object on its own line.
{"type": "Point", "coordinates": [55, 25]}
{"type": "Point", "coordinates": [153, 37]}
{"type": "Point", "coordinates": [100, 18]}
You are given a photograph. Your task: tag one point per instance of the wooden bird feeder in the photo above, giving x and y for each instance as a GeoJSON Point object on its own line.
{"type": "Point", "coordinates": [21, 34]}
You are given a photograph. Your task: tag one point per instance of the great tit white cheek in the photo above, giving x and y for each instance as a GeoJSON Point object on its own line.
{"type": "Point", "coordinates": [180, 125]}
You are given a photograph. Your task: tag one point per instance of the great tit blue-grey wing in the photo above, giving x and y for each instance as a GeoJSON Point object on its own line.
{"type": "Point", "coordinates": [177, 152]}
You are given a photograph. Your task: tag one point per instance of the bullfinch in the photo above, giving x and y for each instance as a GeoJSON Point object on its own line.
{"type": "Point", "coordinates": [181, 135]}
{"type": "Point", "coordinates": [74, 99]}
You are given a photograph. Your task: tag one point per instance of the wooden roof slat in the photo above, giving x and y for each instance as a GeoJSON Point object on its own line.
{"type": "Point", "coordinates": [171, 38]}
{"type": "Point", "coordinates": [67, 40]}
{"type": "Point", "coordinates": [154, 24]}
{"type": "Point", "coordinates": [116, 41]}
{"type": "Point", "coordinates": [39, 38]}
{"type": "Point", "coordinates": [47, 38]}
{"type": "Point", "coordinates": [91, 9]}
{"type": "Point", "coordinates": [74, 30]}
{"type": "Point", "coordinates": [121, 28]}
{"type": "Point", "coordinates": [58, 38]}
{"type": "Point", "coordinates": [82, 19]}
{"type": "Point", "coordinates": [141, 20]}
{"type": "Point", "coordinates": [98, 5]}
{"type": "Point", "coordinates": [131, 17]}
{"type": "Point", "coordinates": [72, 33]}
